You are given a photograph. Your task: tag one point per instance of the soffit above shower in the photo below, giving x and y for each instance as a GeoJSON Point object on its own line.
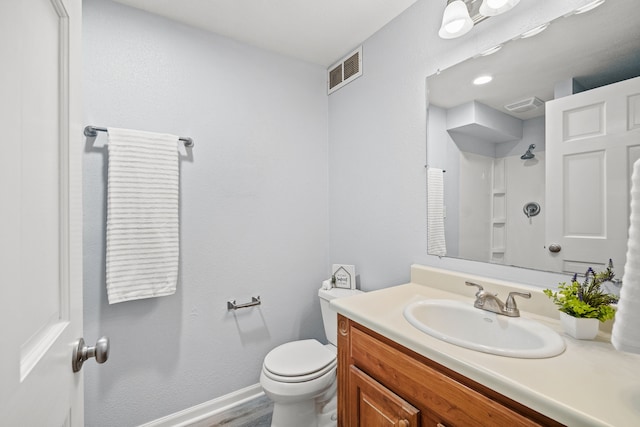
{"type": "Point", "coordinates": [319, 31]}
{"type": "Point", "coordinates": [479, 123]}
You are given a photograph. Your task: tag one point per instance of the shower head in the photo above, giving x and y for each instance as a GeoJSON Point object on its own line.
{"type": "Point", "coordinates": [529, 155]}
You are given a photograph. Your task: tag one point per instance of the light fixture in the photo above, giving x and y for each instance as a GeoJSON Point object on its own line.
{"type": "Point", "coordinates": [533, 32]}
{"type": "Point", "coordinates": [586, 7]}
{"type": "Point", "coordinates": [461, 15]}
{"type": "Point", "coordinates": [489, 51]}
{"type": "Point", "coordinates": [455, 21]}
{"type": "Point", "coordinates": [496, 7]}
{"type": "Point", "coordinates": [482, 80]}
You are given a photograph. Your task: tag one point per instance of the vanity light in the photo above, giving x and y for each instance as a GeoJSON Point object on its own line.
{"type": "Point", "coordinates": [496, 7]}
{"type": "Point", "coordinates": [533, 32]}
{"type": "Point", "coordinates": [482, 80]}
{"type": "Point", "coordinates": [455, 21]}
{"type": "Point", "coordinates": [461, 15]}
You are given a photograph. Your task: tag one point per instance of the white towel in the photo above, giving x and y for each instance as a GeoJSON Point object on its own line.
{"type": "Point", "coordinates": [142, 215]}
{"type": "Point", "coordinates": [436, 244]}
{"type": "Point", "coordinates": [626, 327]}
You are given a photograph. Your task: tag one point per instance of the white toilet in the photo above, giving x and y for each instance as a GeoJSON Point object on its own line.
{"type": "Point", "coordinates": [300, 376]}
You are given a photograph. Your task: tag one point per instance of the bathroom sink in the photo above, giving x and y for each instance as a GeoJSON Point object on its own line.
{"type": "Point", "coordinates": [462, 324]}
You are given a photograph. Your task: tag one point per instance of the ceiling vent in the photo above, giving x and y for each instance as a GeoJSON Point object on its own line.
{"type": "Point", "coordinates": [345, 71]}
{"type": "Point", "coordinates": [525, 105]}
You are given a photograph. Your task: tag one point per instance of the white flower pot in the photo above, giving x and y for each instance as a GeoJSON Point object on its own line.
{"type": "Point", "coordinates": [579, 328]}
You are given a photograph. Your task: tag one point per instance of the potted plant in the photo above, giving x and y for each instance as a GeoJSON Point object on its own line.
{"type": "Point", "coordinates": [583, 305]}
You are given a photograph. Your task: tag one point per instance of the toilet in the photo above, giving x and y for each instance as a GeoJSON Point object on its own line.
{"type": "Point", "coordinates": [300, 376]}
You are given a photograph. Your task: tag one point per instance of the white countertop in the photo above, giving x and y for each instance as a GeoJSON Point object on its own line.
{"type": "Point", "coordinates": [590, 384]}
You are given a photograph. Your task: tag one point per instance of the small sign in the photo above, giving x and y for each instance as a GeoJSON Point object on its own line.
{"type": "Point", "coordinates": [344, 276]}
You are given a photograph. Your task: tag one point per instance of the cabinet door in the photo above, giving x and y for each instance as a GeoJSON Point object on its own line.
{"type": "Point", "coordinates": [373, 405]}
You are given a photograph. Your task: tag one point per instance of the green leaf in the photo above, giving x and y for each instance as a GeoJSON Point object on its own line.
{"type": "Point", "coordinates": [586, 300]}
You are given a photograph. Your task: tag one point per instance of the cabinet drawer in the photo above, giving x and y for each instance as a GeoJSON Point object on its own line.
{"type": "Point", "coordinates": [441, 398]}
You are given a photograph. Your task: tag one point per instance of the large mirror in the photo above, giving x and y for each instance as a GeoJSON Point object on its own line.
{"type": "Point", "coordinates": [544, 182]}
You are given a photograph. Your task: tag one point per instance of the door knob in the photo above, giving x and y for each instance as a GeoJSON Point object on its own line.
{"type": "Point", "coordinates": [555, 248]}
{"type": "Point", "coordinates": [82, 352]}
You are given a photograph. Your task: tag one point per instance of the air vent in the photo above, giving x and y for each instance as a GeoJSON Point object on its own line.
{"type": "Point", "coordinates": [335, 76]}
{"type": "Point", "coordinates": [524, 105]}
{"type": "Point", "coordinates": [346, 70]}
{"type": "Point", "coordinates": [352, 65]}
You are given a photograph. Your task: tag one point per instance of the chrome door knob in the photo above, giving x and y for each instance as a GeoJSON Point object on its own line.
{"type": "Point", "coordinates": [555, 248]}
{"type": "Point", "coordinates": [82, 352]}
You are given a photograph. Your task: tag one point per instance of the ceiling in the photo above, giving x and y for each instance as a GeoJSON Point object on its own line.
{"type": "Point", "coordinates": [595, 48]}
{"type": "Point", "coordinates": [321, 32]}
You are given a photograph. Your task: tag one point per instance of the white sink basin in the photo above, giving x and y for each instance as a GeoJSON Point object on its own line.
{"type": "Point", "coordinates": [462, 324]}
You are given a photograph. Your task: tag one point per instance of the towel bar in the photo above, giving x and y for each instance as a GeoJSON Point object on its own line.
{"type": "Point", "coordinates": [231, 304]}
{"type": "Point", "coordinates": [93, 131]}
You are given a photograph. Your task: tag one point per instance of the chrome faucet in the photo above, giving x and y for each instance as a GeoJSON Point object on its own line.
{"type": "Point", "coordinates": [490, 302]}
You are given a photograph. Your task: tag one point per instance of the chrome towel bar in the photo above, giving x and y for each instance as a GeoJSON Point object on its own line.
{"type": "Point", "coordinates": [231, 304]}
{"type": "Point", "coordinates": [92, 131]}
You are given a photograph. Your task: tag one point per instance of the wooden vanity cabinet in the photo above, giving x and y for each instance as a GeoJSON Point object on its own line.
{"type": "Point", "coordinates": [381, 383]}
{"type": "Point", "coordinates": [376, 405]}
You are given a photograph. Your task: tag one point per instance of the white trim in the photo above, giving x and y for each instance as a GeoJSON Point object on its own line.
{"type": "Point", "coordinates": [204, 411]}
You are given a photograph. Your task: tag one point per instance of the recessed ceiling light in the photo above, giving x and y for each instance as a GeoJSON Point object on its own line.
{"type": "Point", "coordinates": [489, 51]}
{"type": "Point", "coordinates": [588, 7]}
{"type": "Point", "coordinates": [533, 32]}
{"type": "Point", "coordinates": [482, 80]}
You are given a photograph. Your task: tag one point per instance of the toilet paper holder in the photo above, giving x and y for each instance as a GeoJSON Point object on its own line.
{"type": "Point", "coordinates": [232, 305]}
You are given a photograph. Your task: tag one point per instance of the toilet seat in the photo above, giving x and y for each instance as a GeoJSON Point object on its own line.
{"type": "Point", "coordinates": [299, 361]}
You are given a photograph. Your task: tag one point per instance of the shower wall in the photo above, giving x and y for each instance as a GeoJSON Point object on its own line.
{"type": "Point", "coordinates": [485, 192]}
{"type": "Point", "coordinates": [525, 237]}
{"type": "Point", "coordinates": [502, 233]}
{"type": "Point", "coordinates": [254, 216]}
{"type": "Point", "coordinates": [475, 173]}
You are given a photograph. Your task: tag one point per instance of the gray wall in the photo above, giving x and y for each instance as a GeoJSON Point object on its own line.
{"type": "Point", "coordinates": [377, 150]}
{"type": "Point", "coordinates": [377, 135]}
{"type": "Point", "coordinates": [266, 195]}
{"type": "Point", "coordinates": [254, 216]}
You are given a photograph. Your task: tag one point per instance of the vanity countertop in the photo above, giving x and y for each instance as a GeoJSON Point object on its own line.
{"type": "Point", "coordinates": [590, 384]}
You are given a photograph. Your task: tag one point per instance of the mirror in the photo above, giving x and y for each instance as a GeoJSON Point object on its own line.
{"type": "Point", "coordinates": [498, 188]}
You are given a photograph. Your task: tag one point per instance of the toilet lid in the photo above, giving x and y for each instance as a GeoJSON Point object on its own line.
{"type": "Point", "coordinates": [299, 358]}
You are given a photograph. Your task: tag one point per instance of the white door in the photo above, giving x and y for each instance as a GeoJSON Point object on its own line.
{"type": "Point", "coordinates": [592, 141]}
{"type": "Point", "coordinates": [40, 212]}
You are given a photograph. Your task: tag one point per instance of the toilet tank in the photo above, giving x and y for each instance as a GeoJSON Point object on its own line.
{"type": "Point", "coordinates": [329, 316]}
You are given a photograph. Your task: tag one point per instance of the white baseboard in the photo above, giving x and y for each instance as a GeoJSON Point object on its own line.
{"type": "Point", "coordinates": [204, 413]}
